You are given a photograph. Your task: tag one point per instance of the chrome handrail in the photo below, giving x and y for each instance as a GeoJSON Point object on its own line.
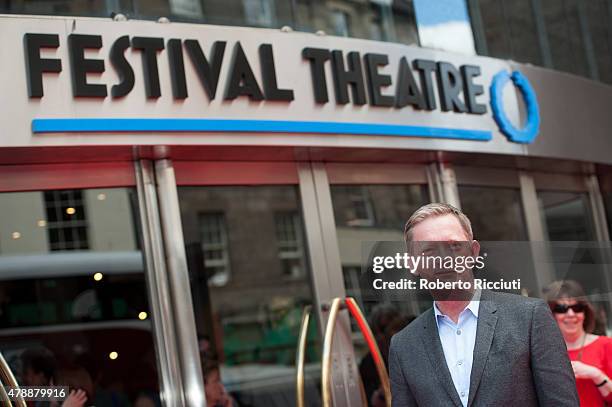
{"type": "Point", "coordinates": [8, 379]}
{"type": "Point", "coordinates": [300, 398]}
{"type": "Point", "coordinates": [364, 327]}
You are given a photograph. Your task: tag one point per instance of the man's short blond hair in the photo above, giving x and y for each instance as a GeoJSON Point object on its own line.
{"type": "Point", "coordinates": [434, 210]}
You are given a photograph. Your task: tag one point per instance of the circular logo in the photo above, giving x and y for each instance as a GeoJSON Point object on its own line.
{"type": "Point", "coordinates": [532, 125]}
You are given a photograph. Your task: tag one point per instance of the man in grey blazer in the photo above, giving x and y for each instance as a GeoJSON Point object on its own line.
{"type": "Point", "coordinates": [476, 348]}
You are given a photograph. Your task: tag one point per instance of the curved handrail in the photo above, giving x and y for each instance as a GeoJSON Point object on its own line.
{"type": "Point", "coordinates": [7, 379]}
{"type": "Point", "coordinates": [327, 346]}
{"type": "Point", "coordinates": [300, 356]}
{"type": "Point", "coordinates": [364, 327]}
{"type": "Point", "coordinates": [6, 401]}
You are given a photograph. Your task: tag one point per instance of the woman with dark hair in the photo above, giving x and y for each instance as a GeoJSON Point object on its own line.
{"type": "Point", "coordinates": [591, 355]}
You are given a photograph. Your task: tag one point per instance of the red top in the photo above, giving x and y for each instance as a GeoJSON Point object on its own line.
{"type": "Point", "coordinates": [599, 354]}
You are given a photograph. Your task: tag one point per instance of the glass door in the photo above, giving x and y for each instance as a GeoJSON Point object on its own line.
{"type": "Point", "coordinates": [251, 280]}
{"type": "Point", "coordinates": [74, 304]}
{"type": "Point", "coordinates": [569, 205]}
{"type": "Point", "coordinates": [371, 203]}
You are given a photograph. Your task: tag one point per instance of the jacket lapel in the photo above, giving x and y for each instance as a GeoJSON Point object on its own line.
{"type": "Point", "coordinates": [433, 346]}
{"type": "Point", "coordinates": [487, 320]}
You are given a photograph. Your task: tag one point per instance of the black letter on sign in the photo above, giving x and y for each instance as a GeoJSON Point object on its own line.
{"type": "Point", "coordinates": [242, 81]}
{"type": "Point", "coordinates": [407, 89]}
{"type": "Point", "coordinates": [81, 66]}
{"type": "Point", "coordinates": [376, 80]}
{"type": "Point", "coordinates": [268, 73]}
{"type": "Point", "coordinates": [122, 66]}
{"type": "Point", "coordinates": [318, 57]}
{"type": "Point", "coordinates": [471, 90]}
{"type": "Point", "coordinates": [426, 67]}
{"type": "Point", "coordinates": [177, 69]}
{"type": "Point", "coordinates": [207, 72]}
{"type": "Point", "coordinates": [37, 65]}
{"type": "Point", "coordinates": [353, 77]}
{"type": "Point", "coordinates": [149, 47]}
{"type": "Point", "coordinates": [449, 86]}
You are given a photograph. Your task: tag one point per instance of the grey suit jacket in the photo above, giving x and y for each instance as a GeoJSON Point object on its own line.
{"type": "Point", "coordinates": [520, 359]}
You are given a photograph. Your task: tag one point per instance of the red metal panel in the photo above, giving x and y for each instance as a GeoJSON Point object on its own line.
{"type": "Point", "coordinates": [368, 173]}
{"type": "Point", "coordinates": [15, 178]}
{"type": "Point", "coordinates": [235, 173]}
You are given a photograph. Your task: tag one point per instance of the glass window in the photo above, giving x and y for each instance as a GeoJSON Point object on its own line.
{"type": "Point", "coordinates": [565, 36]}
{"type": "Point", "coordinates": [498, 223]}
{"type": "Point", "coordinates": [384, 20]}
{"type": "Point", "coordinates": [600, 25]}
{"type": "Point", "coordinates": [404, 22]}
{"type": "Point", "coordinates": [510, 30]}
{"type": "Point", "coordinates": [496, 213]}
{"type": "Point", "coordinates": [445, 25]}
{"type": "Point", "coordinates": [366, 215]}
{"type": "Point", "coordinates": [74, 306]}
{"type": "Point", "coordinates": [250, 324]}
{"type": "Point", "coordinates": [573, 251]}
{"type": "Point", "coordinates": [567, 216]}
{"type": "Point", "coordinates": [341, 23]}
{"type": "Point", "coordinates": [568, 35]}
{"type": "Point", "coordinates": [259, 12]}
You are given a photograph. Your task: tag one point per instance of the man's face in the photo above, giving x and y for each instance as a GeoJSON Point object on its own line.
{"type": "Point", "coordinates": [438, 239]}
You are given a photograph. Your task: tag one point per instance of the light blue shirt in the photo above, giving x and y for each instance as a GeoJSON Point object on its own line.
{"type": "Point", "coordinates": [458, 344]}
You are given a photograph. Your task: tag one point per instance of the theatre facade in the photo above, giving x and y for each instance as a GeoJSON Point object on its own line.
{"type": "Point", "coordinates": [173, 191]}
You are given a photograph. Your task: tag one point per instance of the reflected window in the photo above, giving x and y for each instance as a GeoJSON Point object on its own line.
{"type": "Point", "coordinates": [567, 216]}
{"type": "Point", "coordinates": [354, 207]}
{"type": "Point", "coordinates": [386, 20]}
{"type": "Point", "coordinates": [341, 23]}
{"type": "Point", "coordinates": [445, 25]}
{"type": "Point", "coordinates": [66, 220]}
{"type": "Point", "coordinates": [215, 247]}
{"type": "Point", "coordinates": [77, 301]}
{"type": "Point", "coordinates": [290, 243]}
{"type": "Point", "coordinates": [189, 9]}
{"type": "Point", "coordinates": [259, 12]}
{"type": "Point", "coordinates": [496, 213]}
{"type": "Point", "coordinates": [404, 22]}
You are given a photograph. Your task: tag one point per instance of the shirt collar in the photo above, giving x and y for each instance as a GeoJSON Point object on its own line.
{"type": "Point", "coordinates": [473, 306]}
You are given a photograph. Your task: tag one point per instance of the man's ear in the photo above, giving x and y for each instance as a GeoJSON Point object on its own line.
{"type": "Point", "coordinates": [475, 248]}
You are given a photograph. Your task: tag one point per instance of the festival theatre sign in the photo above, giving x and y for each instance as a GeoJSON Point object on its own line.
{"type": "Point", "coordinates": [191, 78]}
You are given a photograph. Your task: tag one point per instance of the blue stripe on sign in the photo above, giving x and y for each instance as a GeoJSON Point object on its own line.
{"type": "Point", "coordinates": [250, 126]}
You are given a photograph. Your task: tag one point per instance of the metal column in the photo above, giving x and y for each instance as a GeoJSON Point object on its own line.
{"type": "Point", "coordinates": [180, 292]}
{"type": "Point", "coordinates": [157, 286]}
